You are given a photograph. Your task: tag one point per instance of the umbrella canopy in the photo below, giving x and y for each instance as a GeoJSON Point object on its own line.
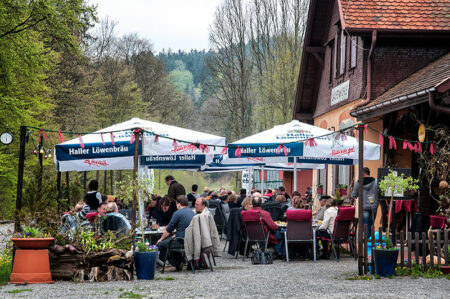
{"type": "Point", "coordinates": [282, 163]}
{"type": "Point", "coordinates": [112, 148]}
{"type": "Point", "coordinates": [297, 139]}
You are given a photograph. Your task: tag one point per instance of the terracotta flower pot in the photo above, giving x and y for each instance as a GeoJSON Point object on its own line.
{"type": "Point", "coordinates": [32, 243]}
{"type": "Point", "coordinates": [31, 261]}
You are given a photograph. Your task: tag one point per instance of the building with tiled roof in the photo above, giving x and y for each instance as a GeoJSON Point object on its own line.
{"type": "Point", "coordinates": [383, 62]}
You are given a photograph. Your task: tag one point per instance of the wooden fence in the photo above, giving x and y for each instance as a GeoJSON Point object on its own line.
{"type": "Point", "coordinates": [415, 246]}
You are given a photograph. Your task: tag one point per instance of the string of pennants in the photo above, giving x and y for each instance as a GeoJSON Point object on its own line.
{"type": "Point", "coordinates": [414, 146]}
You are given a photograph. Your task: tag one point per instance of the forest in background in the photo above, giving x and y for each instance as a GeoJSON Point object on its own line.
{"type": "Point", "coordinates": [62, 68]}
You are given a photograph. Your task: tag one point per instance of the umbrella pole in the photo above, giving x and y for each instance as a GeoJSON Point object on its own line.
{"type": "Point", "coordinates": [295, 175]}
{"type": "Point", "coordinates": [360, 198]}
{"type": "Point", "coordinates": [262, 180]}
{"type": "Point", "coordinates": [135, 172]}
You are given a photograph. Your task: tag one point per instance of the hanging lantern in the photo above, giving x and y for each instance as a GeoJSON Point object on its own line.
{"type": "Point", "coordinates": [45, 157]}
{"type": "Point", "coordinates": [41, 151]}
{"type": "Point", "coordinates": [35, 152]}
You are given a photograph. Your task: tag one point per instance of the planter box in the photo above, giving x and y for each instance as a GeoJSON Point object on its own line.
{"type": "Point", "coordinates": [385, 261]}
{"type": "Point", "coordinates": [145, 263]}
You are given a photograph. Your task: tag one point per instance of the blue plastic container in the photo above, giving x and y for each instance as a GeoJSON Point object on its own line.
{"type": "Point", "coordinates": [385, 261]}
{"type": "Point", "coordinates": [145, 263]}
{"type": "Point", "coordinates": [370, 249]}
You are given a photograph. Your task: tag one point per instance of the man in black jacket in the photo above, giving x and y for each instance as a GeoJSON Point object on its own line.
{"type": "Point", "coordinates": [175, 188]}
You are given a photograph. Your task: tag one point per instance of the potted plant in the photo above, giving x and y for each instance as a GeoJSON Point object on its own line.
{"type": "Point", "coordinates": [31, 260]}
{"type": "Point", "coordinates": [145, 260]}
{"type": "Point", "coordinates": [342, 189]}
{"type": "Point", "coordinates": [386, 255]}
{"type": "Point", "coordinates": [337, 197]}
{"type": "Point", "coordinates": [319, 189]}
{"type": "Point", "coordinates": [32, 238]}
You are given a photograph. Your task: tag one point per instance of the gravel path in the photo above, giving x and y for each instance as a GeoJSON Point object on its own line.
{"type": "Point", "coordinates": [236, 279]}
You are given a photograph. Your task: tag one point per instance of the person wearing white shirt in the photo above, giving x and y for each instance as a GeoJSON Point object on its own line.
{"type": "Point", "coordinates": [326, 228]}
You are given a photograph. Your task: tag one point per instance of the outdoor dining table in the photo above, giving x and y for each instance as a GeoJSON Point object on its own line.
{"type": "Point", "coordinates": [151, 235]}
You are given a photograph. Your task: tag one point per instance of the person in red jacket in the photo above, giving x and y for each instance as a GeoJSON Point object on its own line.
{"type": "Point", "coordinates": [266, 219]}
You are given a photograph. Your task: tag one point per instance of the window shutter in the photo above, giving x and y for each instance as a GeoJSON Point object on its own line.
{"type": "Point", "coordinates": [335, 54]}
{"type": "Point", "coordinates": [354, 41]}
{"type": "Point", "coordinates": [343, 52]}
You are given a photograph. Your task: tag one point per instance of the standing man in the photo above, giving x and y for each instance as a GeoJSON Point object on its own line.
{"type": "Point", "coordinates": [370, 198]}
{"type": "Point", "coordinates": [193, 195]}
{"type": "Point", "coordinates": [175, 189]}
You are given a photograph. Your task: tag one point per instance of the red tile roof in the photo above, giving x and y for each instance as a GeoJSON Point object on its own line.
{"type": "Point", "coordinates": [422, 15]}
{"type": "Point", "coordinates": [419, 82]}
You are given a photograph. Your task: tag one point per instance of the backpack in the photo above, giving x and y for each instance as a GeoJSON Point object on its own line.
{"type": "Point", "coordinates": [262, 257]}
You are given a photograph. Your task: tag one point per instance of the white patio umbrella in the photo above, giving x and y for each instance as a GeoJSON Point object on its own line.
{"type": "Point", "coordinates": [310, 143]}
{"type": "Point", "coordinates": [112, 148]}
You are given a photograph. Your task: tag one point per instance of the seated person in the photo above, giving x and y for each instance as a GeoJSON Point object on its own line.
{"type": "Point", "coordinates": [77, 217]}
{"type": "Point", "coordinates": [114, 220]}
{"type": "Point", "coordinates": [101, 211]}
{"type": "Point", "coordinates": [179, 222]}
{"type": "Point", "coordinates": [200, 205]}
{"type": "Point", "coordinates": [246, 203]}
{"type": "Point", "coordinates": [164, 211]}
{"type": "Point", "coordinates": [225, 207]}
{"type": "Point", "coordinates": [321, 213]}
{"type": "Point", "coordinates": [271, 226]}
{"type": "Point", "coordinates": [282, 200]}
{"type": "Point", "coordinates": [327, 227]}
{"type": "Point", "coordinates": [297, 203]}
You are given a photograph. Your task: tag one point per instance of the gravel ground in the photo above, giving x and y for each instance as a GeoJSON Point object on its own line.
{"type": "Point", "coordinates": [236, 279]}
{"type": "Point", "coordinates": [6, 229]}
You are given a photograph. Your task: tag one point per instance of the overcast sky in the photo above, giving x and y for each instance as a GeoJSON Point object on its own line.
{"type": "Point", "coordinates": [174, 24]}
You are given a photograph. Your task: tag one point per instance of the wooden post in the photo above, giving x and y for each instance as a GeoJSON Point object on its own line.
{"type": "Point", "coordinates": [431, 242]}
{"type": "Point", "coordinates": [105, 182]}
{"type": "Point", "coordinates": [424, 250]}
{"type": "Point", "coordinates": [135, 175]}
{"type": "Point", "coordinates": [68, 188]}
{"type": "Point", "coordinates": [360, 197]}
{"type": "Point", "coordinates": [58, 187]}
{"type": "Point", "coordinates": [402, 250]}
{"type": "Point", "coordinates": [111, 176]}
{"type": "Point", "coordinates": [23, 132]}
{"type": "Point", "coordinates": [416, 247]}
{"type": "Point", "coordinates": [438, 249]}
{"type": "Point", "coordinates": [446, 246]}
{"type": "Point", "coordinates": [365, 241]}
{"type": "Point", "coordinates": [409, 249]}
{"type": "Point", "coordinates": [41, 168]}
{"type": "Point", "coordinates": [85, 181]}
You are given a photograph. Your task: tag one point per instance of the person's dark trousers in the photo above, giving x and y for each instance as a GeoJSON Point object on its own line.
{"type": "Point", "coordinates": [368, 218]}
{"type": "Point", "coordinates": [324, 234]}
{"type": "Point", "coordinates": [174, 258]}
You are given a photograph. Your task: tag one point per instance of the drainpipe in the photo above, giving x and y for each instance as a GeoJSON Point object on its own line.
{"type": "Point", "coordinates": [434, 106]}
{"type": "Point", "coordinates": [369, 72]}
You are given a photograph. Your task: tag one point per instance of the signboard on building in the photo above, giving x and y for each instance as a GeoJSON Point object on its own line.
{"type": "Point", "coordinates": [340, 92]}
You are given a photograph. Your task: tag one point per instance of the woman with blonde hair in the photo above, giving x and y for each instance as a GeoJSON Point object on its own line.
{"type": "Point", "coordinates": [247, 203]}
{"type": "Point", "coordinates": [297, 203]}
